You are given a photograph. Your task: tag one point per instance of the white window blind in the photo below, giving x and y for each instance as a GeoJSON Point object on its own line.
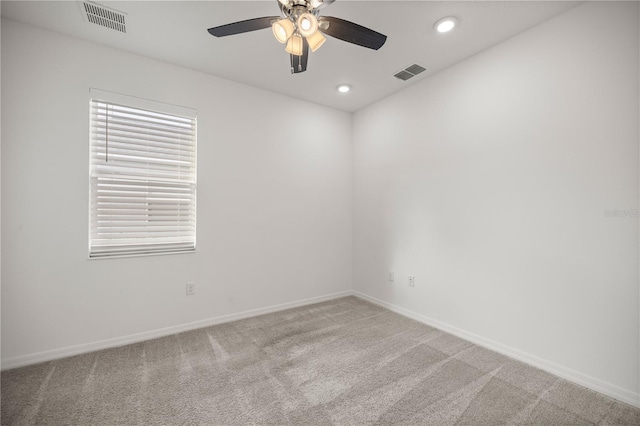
{"type": "Point", "coordinates": [143, 177]}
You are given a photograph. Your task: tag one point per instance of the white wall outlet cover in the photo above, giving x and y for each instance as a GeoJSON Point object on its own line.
{"type": "Point", "coordinates": [390, 276]}
{"type": "Point", "coordinates": [191, 289]}
{"type": "Point", "coordinates": [412, 281]}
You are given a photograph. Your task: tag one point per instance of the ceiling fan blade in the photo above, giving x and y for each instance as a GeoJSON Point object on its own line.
{"type": "Point", "coordinates": [242, 26]}
{"type": "Point", "coordinates": [352, 33]}
{"type": "Point", "coordinates": [299, 63]}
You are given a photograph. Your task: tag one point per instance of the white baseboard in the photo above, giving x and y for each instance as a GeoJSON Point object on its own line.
{"type": "Point", "coordinates": [597, 385]}
{"type": "Point", "coordinates": [23, 360]}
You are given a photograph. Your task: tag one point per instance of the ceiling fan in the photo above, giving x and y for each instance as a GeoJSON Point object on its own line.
{"type": "Point", "coordinates": [301, 28]}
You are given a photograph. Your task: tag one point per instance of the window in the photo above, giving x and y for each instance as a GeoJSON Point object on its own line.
{"type": "Point", "coordinates": [143, 177]}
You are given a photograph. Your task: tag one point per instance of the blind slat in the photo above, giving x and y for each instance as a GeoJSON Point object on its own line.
{"type": "Point", "coordinates": [143, 113]}
{"type": "Point", "coordinates": [143, 132]}
{"type": "Point", "coordinates": [144, 146]}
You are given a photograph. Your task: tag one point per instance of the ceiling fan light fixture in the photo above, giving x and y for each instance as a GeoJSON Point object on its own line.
{"type": "Point", "coordinates": [283, 30]}
{"type": "Point", "coordinates": [307, 24]}
{"type": "Point", "coordinates": [294, 45]}
{"type": "Point", "coordinates": [298, 28]}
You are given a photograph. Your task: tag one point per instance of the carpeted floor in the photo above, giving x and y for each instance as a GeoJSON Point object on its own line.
{"type": "Point", "coordinates": [343, 362]}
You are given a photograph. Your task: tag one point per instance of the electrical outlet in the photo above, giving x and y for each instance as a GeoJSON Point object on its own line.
{"type": "Point", "coordinates": [412, 281]}
{"type": "Point", "coordinates": [191, 289]}
{"type": "Point", "coordinates": [390, 276]}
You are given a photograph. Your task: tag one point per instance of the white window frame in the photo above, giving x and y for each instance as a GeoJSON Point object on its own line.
{"type": "Point", "coordinates": [144, 165]}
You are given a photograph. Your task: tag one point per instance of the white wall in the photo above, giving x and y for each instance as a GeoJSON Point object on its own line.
{"type": "Point", "coordinates": [489, 182]}
{"type": "Point", "coordinates": [274, 208]}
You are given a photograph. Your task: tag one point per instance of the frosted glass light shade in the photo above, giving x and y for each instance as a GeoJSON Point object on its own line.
{"type": "Point", "coordinates": [307, 24]}
{"type": "Point", "coordinates": [316, 40]}
{"type": "Point", "coordinates": [282, 30]}
{"type": "Point", "coordinates": [294, 45]}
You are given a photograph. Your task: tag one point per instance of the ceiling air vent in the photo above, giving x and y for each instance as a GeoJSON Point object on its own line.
{"type": "Point", "coordinates": [104, 16]}
{"type": "Point", "coordinates": [409, 72]}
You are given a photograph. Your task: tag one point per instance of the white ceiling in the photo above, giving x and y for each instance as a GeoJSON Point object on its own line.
{"type": "Point", "coordinates": [176, 32]}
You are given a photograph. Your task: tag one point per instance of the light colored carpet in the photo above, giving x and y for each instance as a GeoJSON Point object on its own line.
{"type": "Point", "coordinates": [343, 362]}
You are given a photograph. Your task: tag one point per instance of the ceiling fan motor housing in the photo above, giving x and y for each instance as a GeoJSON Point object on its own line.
{"type": "Point", "coordinates": [294, 11]}
{"type": "Point", "coordinates": [307, 4]}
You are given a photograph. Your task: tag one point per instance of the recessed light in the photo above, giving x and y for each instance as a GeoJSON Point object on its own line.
{"type": "Point", "coordinates": [445, 25]}
{"type": "Point", "coordinates": [344, 88]}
